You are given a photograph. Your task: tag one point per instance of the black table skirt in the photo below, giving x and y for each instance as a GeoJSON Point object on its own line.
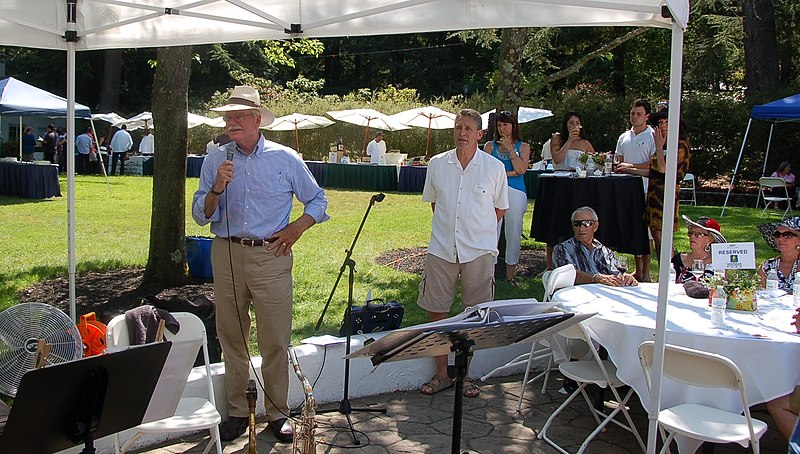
{"type": "Point", "coordinates": [317, 169]}
{"type": "Point", "coordinates": [412, 178]}
{"type": "Point", "coordinates": [531, 178]}
{"type": "Point", "coordinates": [29, 180]}
{"type": "Point", "coordinates": [618, 200]}
{"type": "Point", "coordinates": [193, 166]}
{"type": "Point", "coordinates": [363, 177]}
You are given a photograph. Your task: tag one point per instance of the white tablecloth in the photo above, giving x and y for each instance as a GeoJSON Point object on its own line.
{"type": "Point", "coordinates": [626, 317]}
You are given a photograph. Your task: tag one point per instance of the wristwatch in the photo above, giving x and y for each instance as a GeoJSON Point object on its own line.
{"type": "Point", "coordinates": [215, 192]}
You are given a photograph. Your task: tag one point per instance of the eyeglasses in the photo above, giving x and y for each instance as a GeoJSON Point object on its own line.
{"type": "Point", "coordinates": [237, 117]}
{"type": "Point", "coordinates": [580, 224]}
{"type": "Point", "coordinates": [697, 234]}
{"type": "Point", "coordinates": [784, 235]}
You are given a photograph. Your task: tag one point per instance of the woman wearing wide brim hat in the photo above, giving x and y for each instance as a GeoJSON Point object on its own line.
{"type": "Point", "coordinates": [784, 237]}
{"type": "Point", "coordinates": [702, 234]}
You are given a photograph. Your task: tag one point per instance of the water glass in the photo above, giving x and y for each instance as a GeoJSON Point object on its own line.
{"type": "Point", "coordinates": [698, 269]}
{"type": "Point", "coordinates": [623, 264]}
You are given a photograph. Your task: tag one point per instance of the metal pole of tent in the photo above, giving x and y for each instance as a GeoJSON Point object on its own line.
{"type": "Point", "coordinates": [71, 37]}
{"type": "Point", "coordinates": [766, 155]}
{"type": "Point", "coordinates": [736, 169]}
{"type": "Point", "coordinates": [19, 134]}
{"type": "Point", "coordinates": [676, 62]}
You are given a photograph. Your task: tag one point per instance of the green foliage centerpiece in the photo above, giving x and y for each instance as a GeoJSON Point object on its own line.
{"type": "Point", "coordinates": [740, 287]}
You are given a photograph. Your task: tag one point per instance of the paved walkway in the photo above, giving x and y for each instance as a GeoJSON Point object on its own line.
{"type": "Point", "coordinates": [416, 423]}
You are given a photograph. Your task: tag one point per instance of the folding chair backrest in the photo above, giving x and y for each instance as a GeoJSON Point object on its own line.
{"type": "Point", "coordinates": [561, 277]}
{"type": "Point", "coordinates": [771, 182]}
{"type": "Point", "coordinates": [694, 367]}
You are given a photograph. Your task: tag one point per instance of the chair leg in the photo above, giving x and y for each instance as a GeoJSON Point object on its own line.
{"type": "Point", "coordinates": [130, 442]}
{"type": "Point", "coordinates": [543, 433]}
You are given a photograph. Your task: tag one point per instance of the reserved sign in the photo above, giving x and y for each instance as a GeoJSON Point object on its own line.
{"type": "Point", "coordinates": [733, 256]}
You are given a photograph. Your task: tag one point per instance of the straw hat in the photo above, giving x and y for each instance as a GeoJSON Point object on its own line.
{"type": "Point", "coordinates": [709, 225]}
{"type": "Point", "coordinates": [768, 230]}
{"type": "Point", "coordinates": [245, 97]}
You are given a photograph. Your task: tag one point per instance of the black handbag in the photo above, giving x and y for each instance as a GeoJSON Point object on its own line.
{"type": "Point", "coordinates": [373, 318]}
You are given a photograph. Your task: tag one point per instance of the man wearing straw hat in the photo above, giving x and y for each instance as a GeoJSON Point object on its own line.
{"type": "Point", "coordinates": [246, 192]}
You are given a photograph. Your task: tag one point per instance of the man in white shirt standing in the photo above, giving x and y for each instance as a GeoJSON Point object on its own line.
{"type": "Point", "coordinates": [637, 147]}
{"type": "Point", "coordinates": [147, 146]}
{"type": "Point", "coordinates": [120, 144]}
{"type": "Point", "coordinates": [376, 149]}
{"type": "Point", "coordinates": [468, 192]}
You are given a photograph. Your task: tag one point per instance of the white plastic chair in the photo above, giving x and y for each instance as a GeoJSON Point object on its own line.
{"type": "Point", "coordinates": [595, 371]}
{"type": "Point", "coordinates": [702, 422]}
{"type": "Point", "coordinates": [193, 413]}
{"type": "Point", "coordinates": [766, 193]}
{"type": "Point", "coordinates": [688, 186]}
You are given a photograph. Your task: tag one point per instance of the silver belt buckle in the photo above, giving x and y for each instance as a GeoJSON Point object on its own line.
{"type": "Point", "coordinates": [246, 242]}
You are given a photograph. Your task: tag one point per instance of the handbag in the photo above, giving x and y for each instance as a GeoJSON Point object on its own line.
{"type": "Point", "coordinates": [373, 318]}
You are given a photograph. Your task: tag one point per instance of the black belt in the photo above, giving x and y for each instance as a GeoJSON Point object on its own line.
{"type": "Point", "coordinates": [249, 242]}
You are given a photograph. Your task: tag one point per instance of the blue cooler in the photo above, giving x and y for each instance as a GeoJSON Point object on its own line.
{"type": "Point", "coordinates": [198, 255]}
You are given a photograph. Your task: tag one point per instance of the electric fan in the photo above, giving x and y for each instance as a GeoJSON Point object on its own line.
{"type": "Point", "coordinates": [21, 327]}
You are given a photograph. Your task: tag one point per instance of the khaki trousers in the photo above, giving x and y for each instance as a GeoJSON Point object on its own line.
{"type": "Point", "coordinates": [264, 282]}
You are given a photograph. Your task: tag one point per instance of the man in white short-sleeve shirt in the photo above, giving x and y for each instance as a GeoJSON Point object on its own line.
{"type": "Point", "coordinates": [468, 192]}
{"type": "Point", "coordinates": [376, 149]}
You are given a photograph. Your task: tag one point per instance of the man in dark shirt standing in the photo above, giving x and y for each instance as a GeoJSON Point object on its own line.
{"type": "Point", "coordinates": [49, 144]}
{"type": "Point", "coordinates": [28, 145]}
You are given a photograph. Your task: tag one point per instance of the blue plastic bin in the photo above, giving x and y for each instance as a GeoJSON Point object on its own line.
{"type": "Point", "coordinates": [198, 255]}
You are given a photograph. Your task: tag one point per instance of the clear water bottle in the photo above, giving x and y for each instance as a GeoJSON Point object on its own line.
{"type": "Point", "coordinates": [796, 289]}
{"type": "Point", "coordinates": [718, 304]}
{"type": "Point", "coordinates": [608, 164]}
{"type": "Point", "coordinates": [671, 285]}
{"type": "Point", "coordinates": [772, 280]}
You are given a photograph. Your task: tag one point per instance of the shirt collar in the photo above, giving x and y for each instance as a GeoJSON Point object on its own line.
{"type": "Point", "coordinates": [259, 149]}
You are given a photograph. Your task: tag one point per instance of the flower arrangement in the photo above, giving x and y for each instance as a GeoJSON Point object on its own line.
{"type": "Point", "coordinates": [740, 288]}
{"type": "Point", "coordinates": [597, 158]}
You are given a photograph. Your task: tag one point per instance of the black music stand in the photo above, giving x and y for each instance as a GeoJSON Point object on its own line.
{"type": "Point", "coordinates": [59, 406]}
{"type": "Point", "coordinates": [463, 338]}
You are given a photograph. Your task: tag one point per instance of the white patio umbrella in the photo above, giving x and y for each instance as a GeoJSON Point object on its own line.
{"type": "Point", "coordinates": [110, 117]}
{"type": "Point", "coordinates": [193, 120]}
{"type": "Point", "coordinates": [369, 118]}
{"type": "Point", "coordinates": [216, 122]}
{"type": "Point", "coordinates": [527, 114]}
{"type": "Point", "coordinates": [426, 117]}
{"type": "Point", "coordinates": [143, 120]}
{"type": "Point", "coordinates": [296, 121]}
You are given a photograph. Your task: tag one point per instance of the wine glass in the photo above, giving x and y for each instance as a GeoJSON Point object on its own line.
{"type": "Point", "coordinates": [623, 264]}
{"type": "Point", "coordinates": [698, 269]}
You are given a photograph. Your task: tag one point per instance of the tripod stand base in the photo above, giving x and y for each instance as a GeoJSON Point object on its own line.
{"type": "Point", "coordinates": [346, 409]}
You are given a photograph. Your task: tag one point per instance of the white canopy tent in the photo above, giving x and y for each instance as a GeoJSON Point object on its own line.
{"type": "Point", "coordinates": [72, 25]}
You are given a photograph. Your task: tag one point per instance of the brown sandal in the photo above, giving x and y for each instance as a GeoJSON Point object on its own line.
{"type": "Point", "coordinates": [435, 385]}
{"type": "Point", "coordinates": [471, 390]}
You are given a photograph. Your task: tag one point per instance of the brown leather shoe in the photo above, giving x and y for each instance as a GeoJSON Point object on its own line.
{"type": "Point", "coordinates": [282, 429]}
{"type": "Point", "coordinates": [232, 428]}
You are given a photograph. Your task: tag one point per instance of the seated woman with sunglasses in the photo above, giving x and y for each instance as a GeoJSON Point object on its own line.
{"type": "Point", "coordinates": [702, 234]}
{"type": "Point", "coordinates": [783, 237]}
{"type": "Point", "coordinates": [593, 262]}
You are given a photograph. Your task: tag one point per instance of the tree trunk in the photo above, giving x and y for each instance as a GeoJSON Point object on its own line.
{"type": "Point", "coordinates": [112, 73]}
{"type": "Point", "coordinates": [166, 262]}
{"type": "Point", "coordinates": [509, 84]}
{"type": "Point", "coordinates": [760, 46]}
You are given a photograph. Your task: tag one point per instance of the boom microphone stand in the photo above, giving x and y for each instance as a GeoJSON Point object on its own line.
{"type": "Point", "coordinates": [344, 404]}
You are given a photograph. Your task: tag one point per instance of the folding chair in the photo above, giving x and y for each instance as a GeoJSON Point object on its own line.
{"type": "Point", "coordinates": [702, 422]}
{"type": "Point", "coordinates": [192, 413]}
{"type": "Point", "coordinates": [768, 186]}
{"type": "Point", "coordinates": [688, 186]}
{"type": "Point", "coordinates": [595, 371]}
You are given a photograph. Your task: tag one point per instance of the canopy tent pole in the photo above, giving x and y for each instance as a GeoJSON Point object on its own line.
{"type": "Point", "coordinates": [71, 37]}
{"type": "Point", "coordinates": [19, 133]}
{"type": "Point", "coordinates": [100, 156]}
{"type": "Point", "coordinates": [676, 62]}
{"type": "Point", "coordinates": [766, 155]}
{"type": "Point", "coordinates": [736, 169]}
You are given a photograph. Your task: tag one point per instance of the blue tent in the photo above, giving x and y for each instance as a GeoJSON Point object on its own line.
{"type": "Point", "coordinates": [781, 111]}
{"type": "Point", "coordinates": [20, 99]}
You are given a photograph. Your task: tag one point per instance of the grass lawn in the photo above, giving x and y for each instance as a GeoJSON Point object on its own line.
{"type": "Point", "coordinates": [112, 232]}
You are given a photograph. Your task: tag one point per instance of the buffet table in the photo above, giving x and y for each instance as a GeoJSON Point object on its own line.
{"type": "Point", "coordinates": [412, 178]}
{"type": "Point", "coordinates": [618, 201]}
{"type": "Point", "coordinates": [317, 169]}
{"type": "Point", "coordinates": [29, 180]}
{"type": "Point", "coordinates": [194, 163]}
{"type": "Point", "coordinates": [366, 177]}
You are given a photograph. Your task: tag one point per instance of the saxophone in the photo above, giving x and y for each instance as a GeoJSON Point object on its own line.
{"type": "Point", "coordinates": [304, 442]}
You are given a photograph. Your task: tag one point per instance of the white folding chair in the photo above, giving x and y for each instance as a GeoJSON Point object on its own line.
{"type": "Point", "coordinates": [688, 187]}
{"type": "Point", "coordinates": [595, 371]}
{"type": "Point", "coordinates": [702, 422]}
{"type": "Point", "coordinates": [768, 186]}
{"type": "Point", "coordinates": [193, 413]}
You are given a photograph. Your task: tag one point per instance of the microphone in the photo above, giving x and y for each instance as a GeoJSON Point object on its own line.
{"type": "Point", "coordinates": [378, 197]}
{"type": "Point", "coordinates": [229, 156]}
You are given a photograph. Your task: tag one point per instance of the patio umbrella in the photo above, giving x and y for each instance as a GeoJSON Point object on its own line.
{"type": "Point", "coordinates": [369, 118]}
{"type": "Point", "coordinates": [426, 117]}
{"type": "Point", "coordinates": [527, 114]}
{"type": "Point", "coordinates": [193, 120]}
{"type": "Point", "coordinates": [297, 121]}
{"type": "Point", "coordinates": [143, 120]}
{"type": "Point", "coordinates": [110, 117]}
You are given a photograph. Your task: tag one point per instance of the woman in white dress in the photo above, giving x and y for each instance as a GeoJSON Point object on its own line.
{"type": "Point", "coordinates": [575, 143]}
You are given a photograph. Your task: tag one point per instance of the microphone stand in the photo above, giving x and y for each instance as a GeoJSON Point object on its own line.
{"type": "Point", "coordinates": [344, 405]}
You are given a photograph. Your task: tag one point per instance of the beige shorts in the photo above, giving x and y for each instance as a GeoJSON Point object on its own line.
{"type": "Point", "coordinates": [437, 289]}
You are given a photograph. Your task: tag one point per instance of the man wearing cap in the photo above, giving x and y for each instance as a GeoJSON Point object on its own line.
{"type": "Point", "coordinates": [593, 262]}
{"type": "Point", "coordinates": [120, 144]}
{"type": "Point", "coordinates": [246, 192]}
{"type": "Point", "coordinates": [376, 149]}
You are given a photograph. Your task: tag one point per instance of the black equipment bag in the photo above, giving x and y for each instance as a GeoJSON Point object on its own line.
{"type": "Point", "coordinates": [373, 318]}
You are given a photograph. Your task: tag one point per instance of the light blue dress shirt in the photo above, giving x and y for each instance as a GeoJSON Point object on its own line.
{"type": "Point", "coordinates": [258, 201]}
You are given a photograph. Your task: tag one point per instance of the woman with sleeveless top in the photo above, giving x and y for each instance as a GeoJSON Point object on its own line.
{"type": "Point", "coordinates": [575, 143]}
{"type": "Point", "coordinates": [509, 148]}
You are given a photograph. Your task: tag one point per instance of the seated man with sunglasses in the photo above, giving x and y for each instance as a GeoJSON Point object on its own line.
{"type": "Point", "coordinates": [594, 263]}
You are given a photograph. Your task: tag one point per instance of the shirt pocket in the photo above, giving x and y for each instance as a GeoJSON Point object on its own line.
{"type": "Point", "coordinates": [278, 184]}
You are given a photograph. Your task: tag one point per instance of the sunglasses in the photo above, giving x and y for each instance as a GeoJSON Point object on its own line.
{"type": "Point", "coordinates": [697, 234]}
{"type": "Point", "coordinates": [237, 117]}
{"type": "Point", "coordinates": [784, 235]}
{"type": "Point", "coordinates": [580, 224]}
